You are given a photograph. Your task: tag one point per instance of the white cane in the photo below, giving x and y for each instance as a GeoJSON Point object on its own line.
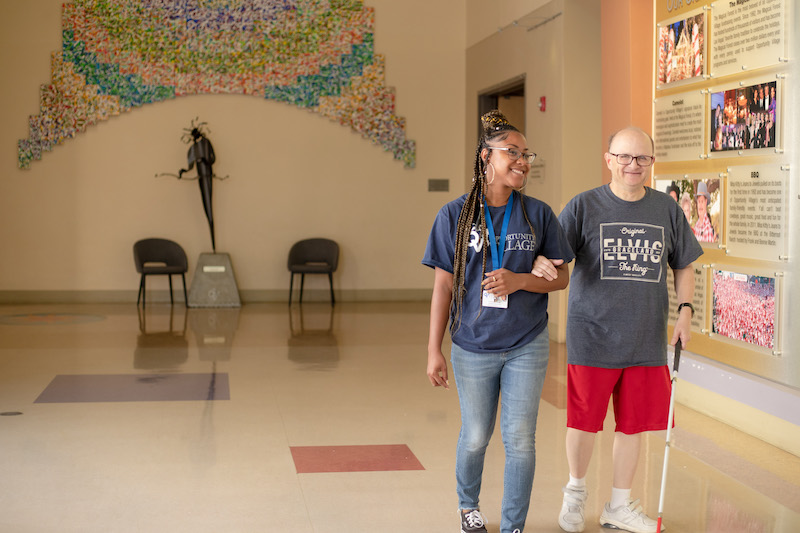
{"type": "Point", "coordinates": [669, 431]}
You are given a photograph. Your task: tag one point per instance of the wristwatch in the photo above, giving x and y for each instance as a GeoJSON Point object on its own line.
{"type": "Point", "coordinates": [686, 304]}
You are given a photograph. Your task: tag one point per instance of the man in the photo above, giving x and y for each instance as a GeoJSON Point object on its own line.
{"type": "Point", "coordinates": [624, 235]}
{"type": "Point", "coordinates": [703, 229]}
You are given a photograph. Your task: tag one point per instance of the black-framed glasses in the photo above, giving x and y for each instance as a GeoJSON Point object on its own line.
{"type": "Point", "coordinates": [514, 154]}
{"type": "Point", "coordinates": [642, 160]}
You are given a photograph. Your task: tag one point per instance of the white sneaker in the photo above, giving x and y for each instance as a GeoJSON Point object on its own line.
{"type": "Point", "coordinates": [571, 516]}
{"type": "Point", "coordinates": [628, 517]}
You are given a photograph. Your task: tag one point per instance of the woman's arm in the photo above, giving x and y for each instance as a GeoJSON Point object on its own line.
{"type": "Point", "coordinates": [440, 316]}
{"type": "Point", "coordinates": [502, 282]}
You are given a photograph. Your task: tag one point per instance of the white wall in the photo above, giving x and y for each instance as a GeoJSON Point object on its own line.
{"type": "Point", "coordinates": [67, 225]}
{"type": "Point", "coordinates": [556, 50]}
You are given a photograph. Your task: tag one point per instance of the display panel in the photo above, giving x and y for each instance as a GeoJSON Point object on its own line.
{"type": "Point", "coordinates": [698, 298]}
{"type": "Point", "coordinates": [701, 197]}
{"type": "Point", "coordinates": [681, 49]}
{"type": "Point", "coordinates": [746, 35]}
{"type": "Point", "coordinates": [757, 212]}
{"type": "Point", "coordinates": [744, 119]}
{"type": "Point", "coordinates": [679, 122]}
{"type": "Point", "coordinates": [745, 307]}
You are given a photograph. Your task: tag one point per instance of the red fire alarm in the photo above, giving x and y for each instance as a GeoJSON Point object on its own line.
{"type": "Point", "coordinates": [542, 103]}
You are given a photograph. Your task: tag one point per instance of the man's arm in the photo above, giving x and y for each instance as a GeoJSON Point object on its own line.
{"type": "Point", "coordinates": [684, 288]}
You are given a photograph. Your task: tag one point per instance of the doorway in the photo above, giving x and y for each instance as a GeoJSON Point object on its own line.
{"type": "Point", "coordinates": [509, 98]}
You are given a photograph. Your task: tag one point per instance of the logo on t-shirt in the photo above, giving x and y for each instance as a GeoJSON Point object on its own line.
{"type": "Point", "coordinates": [631, 251]}
{"type": "Point", "coordinates": [514, 241]}
{"type": "Point", "coordinates": [475, 239]}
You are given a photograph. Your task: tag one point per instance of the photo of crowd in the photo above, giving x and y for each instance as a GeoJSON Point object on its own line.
{"type": "Point", "coordinates": [680, 50]}
{"type": "Point", "coordinates": [701, 202]}
{"type": "Point", "coordinates": [744, 118]}
{"type": "Point", "coordinates": [744, 307]}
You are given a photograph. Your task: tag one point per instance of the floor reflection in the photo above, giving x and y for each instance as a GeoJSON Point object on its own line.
{"type": "Point", "coordinates": [312, 341]}
{"type": "Point", "coordinates": [724, 516]}
{"type": "Point", "coordinates": [214, 330]}
{"type": "Point", "coordinates": [161, 342]}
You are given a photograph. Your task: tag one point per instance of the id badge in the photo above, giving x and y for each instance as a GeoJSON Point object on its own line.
{"type": "Point", "coordinates": [490, 300]}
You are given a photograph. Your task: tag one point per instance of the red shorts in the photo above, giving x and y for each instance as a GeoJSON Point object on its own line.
{"type": "Point", "coordinates": [641, 397]}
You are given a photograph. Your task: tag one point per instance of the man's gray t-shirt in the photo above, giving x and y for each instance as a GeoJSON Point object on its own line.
{"type": "Point", "coordinates": [618, 294]}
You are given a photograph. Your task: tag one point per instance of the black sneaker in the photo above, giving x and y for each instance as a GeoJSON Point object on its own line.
{"type": "Point", "coordinates": [472, 521]}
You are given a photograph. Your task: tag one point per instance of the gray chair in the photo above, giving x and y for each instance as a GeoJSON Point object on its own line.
{"type": "Point", "coordinates": [159, 257]}
{"type": "Point", "coordinates": [313, 256]}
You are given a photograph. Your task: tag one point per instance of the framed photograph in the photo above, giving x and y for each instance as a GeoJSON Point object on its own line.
{"type": "Point", "coordinates": [701, 197]}
{"type": "Point", "coordinates": [745, 120]}
{"type": "Point", "coordinates": [681, 50]}
{"type": "Point", "coordinates": [745, 307]}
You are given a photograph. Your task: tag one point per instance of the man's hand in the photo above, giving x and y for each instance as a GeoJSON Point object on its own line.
{"type": "Point", "coordinates": [546, 268]}
{"type": "Point", "coordinates": [683, 327]}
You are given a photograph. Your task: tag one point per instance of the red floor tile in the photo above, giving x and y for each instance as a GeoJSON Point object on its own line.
{"type": "Point", "coordinates": [315, 459]}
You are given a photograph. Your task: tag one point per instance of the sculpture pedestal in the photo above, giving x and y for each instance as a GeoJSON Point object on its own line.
{"type": "Point", "coordinates": [213, 284]}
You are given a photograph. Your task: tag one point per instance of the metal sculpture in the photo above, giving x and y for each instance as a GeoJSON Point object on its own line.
{"type": "Point", "coordinates": [201, 155]}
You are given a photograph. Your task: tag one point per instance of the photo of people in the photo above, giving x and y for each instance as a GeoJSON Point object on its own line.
{"type": "Point", "coordinates": [701, 202]}
{"type": "Point", "coordinates": [681, 54]}
{"type": "Point", "coordinates": [744, 307]}
{"type": "Point", "coordinates": [744, 118]}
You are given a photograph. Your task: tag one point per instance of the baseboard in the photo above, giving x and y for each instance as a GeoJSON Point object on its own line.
{"type": "Point", "coordinates": [81, 297]}
{"type": "Point", "coordinates": [246, 295]}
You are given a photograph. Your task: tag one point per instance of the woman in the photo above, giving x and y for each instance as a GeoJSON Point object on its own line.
{"type": "Point", "coordinates": [497, 311]}
{"type": "Point", "coordinates": [686, 206]}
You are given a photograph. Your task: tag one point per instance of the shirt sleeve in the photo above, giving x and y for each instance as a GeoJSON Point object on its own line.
{"type": "Point", "coordinates": [555, 245]}
{"type": "Point", "coordinates": [439, 251]}
{"type": "Point", "coordinates": [569, 225]}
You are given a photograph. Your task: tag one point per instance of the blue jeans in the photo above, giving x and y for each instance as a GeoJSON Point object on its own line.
{"type": "Point", "coordinates": [516, 378]}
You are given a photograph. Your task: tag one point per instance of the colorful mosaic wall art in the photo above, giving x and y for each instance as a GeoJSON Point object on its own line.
{"type": "Point", "coordinates": [121, 54]}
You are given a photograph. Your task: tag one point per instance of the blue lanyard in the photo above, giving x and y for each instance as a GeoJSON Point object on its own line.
{"type": "Point", "coordinates": [497, 255]}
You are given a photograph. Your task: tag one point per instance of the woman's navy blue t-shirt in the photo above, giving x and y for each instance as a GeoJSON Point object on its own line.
{"type": "Point", "coordinates": [489, 329]}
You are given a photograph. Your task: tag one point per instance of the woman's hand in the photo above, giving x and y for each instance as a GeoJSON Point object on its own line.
{"type": "Point", "coordinates": [437, 369]}
{"type": "Point", "coordinates": [502, 282]}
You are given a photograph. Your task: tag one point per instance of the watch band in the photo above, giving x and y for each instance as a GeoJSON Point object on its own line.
{"type": "Point", "coordinates": [686, 304]}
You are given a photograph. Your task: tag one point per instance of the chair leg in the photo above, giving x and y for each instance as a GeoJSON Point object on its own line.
{"type": "Point", "coordinates": [171, 300]}
{"type": "Point", "coordinates": [302, 282]}
{"type": "Point", "coordinates": [185, 298]}
{"type": "Point", "coordinates": [291, 284]}
{"type": "Point", "coordinates": [330, 279]}
{"type": "Point", "coordinates": [141, 290]}
{"type": "Point", "coordinates": [144, 290]}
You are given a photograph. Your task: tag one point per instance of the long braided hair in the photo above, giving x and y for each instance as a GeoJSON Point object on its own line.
{"type": "Point", "coordinates": [494, 127]}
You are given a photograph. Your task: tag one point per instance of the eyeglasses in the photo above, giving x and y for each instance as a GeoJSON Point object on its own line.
{"type": "Point", "coordinates": [642, 160]}
{"type": "Point", "coordinates": [514, 154]}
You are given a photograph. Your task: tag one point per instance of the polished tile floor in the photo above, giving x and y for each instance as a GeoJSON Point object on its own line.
{"type": "Point", "coordinates": [304, 419]}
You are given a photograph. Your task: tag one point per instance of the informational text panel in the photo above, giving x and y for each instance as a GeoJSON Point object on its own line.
{"type": "Point", "coordinates": [746, 35]}
{"type": "Point", "coordinates": [757, 212]}
{"type": "Point", "coordinates": [679, 127]}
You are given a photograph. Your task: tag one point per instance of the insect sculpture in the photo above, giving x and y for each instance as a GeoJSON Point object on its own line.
{"type": "Point", "coordinates": [201, 155]}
